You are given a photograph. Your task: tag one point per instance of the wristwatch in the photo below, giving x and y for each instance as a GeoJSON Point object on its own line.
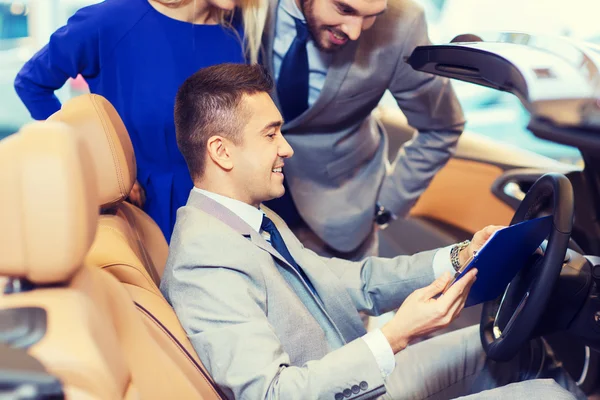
{"type": "Point", "coordinates": [455, 251]}
{"type": "Point", "coordinates": [383, 216]}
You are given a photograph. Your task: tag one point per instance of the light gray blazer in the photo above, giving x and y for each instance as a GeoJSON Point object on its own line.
{"type": "Point", "coordinates": [233, 295]}
{"type": "Point", "coordinates": [339, 171]}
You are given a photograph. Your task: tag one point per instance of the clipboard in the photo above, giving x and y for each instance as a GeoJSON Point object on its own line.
{"type": "Point", "coordinates": [502, 257]}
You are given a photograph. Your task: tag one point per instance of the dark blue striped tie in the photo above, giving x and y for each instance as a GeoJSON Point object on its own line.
{"type": "Point", "coordinates": [292, 84]}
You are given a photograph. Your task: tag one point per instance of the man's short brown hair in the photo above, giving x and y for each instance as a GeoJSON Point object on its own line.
{"type": "Point", "coordinates": [208, 104]}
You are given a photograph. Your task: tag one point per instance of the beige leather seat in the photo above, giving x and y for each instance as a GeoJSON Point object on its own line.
{"type": "Point", "coordinates": [91, 337]}
{"type": "Point", "coordinates": [129, 244]}
{"type": "Point", "coordinates": [104, 133]}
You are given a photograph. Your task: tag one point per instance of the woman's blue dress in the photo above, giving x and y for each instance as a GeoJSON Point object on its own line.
{"type": "Point", "coordinates": [137, 58]}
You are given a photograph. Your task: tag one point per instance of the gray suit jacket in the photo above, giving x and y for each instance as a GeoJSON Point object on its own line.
{"type": "Point", "coordinates": [340, 167]}
{"type": "Point", "coordinates": [255, 334]}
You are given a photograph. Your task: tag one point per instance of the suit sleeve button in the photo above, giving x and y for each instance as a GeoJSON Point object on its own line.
{"type": "Point", "coordinates": [347, 392]}
{"type": "Point", "coordinates": [355, 389]}
{"type": "Point", "coordinates": [364, 385]}
{"type": "Point", "coordinates": [339, 396]}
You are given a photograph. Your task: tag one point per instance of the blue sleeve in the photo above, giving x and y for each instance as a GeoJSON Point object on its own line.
{"type": "Point", "coordinates": [73, 49]}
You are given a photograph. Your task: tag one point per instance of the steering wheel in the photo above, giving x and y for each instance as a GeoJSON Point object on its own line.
{"type": "Point", "coordinates": [508, 322]}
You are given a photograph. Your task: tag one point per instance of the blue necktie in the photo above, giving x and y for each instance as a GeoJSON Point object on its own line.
{"type": "Point", "coordinates": [292, 84]}
{"type": "Point", "coordinates": [279, 245]}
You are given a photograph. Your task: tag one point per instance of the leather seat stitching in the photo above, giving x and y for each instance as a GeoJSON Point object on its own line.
{"type": "Point", "coordinates": [122, 264]}
{"type": "Point", "coordinates": [124, 237]}
{"type": "Point", "coordinates": [112, 147]}
{"type": "Point", "coordinates": [151, 269]}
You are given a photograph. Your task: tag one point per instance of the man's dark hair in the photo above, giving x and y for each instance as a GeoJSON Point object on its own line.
{"type": "Point", "coordinates": [208, 104]}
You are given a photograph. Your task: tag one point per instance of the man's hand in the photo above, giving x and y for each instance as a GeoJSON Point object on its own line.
{"type": "Point", "coordinates": [421, 313]}
{"type": "Point", "coordinates": [477, 242]}
{"type": "Point", "coordinates": [137, 196]}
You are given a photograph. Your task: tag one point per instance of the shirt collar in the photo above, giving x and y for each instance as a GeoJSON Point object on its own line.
{"type": "Point", "coordinates": [291, 8]}
{"type": "Point", "coordinates": [251, 215]}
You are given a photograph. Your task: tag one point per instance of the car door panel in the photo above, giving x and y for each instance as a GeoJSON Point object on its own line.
{"type": "Point", "coordinates": [481, 185]}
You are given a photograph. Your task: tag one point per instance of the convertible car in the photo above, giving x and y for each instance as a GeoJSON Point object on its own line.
{"type": "Point", "coordinates": [81, 316]}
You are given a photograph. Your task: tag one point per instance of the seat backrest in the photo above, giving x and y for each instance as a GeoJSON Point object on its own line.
{"type": "Point", "coordinates": [127, 236]}
{"type": "Point", "coordinates": [40, 217]}
{"type": "Point", "coordinates": [84, 328]}
{"type": "Point", "coordinates": [104, 133]}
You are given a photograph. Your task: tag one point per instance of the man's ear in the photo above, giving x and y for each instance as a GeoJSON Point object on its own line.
{"type": "Point", "coordinates": [219, 151]}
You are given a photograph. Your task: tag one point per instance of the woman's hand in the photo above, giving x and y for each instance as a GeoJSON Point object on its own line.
{"type": "Point", "coordinates": [137, 196]}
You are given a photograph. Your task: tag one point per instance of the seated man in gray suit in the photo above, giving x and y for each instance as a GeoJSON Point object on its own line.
{"type": "Point", "coordinates": [272, 320]}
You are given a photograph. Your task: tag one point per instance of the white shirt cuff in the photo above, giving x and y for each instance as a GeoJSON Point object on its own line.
{"type": "Point", "coordinates": [382, 351]}
{"type": "Point", "coordinates": [442, 262]}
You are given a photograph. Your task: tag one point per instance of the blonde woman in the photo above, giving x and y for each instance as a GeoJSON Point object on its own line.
{"type": "Point", "coordinates": [136, 53]}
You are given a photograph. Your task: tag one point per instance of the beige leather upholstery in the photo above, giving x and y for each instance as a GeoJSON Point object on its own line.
{"type": "Point", "coordinates": [95, 341]}
{"type": "Point", "coordinates": [104, 132]}
{"type": "Point", "coordinates": [460, 195]}
{"type": "Point", "coordinates": [152, 246]}
{"type": "Point", "coordinates": [128, 243]}
{"type": "Point", "coordinates": [43, 174]}
{"type": "Point", "coordinates": [26, 195]}
{"type": "Point", "coordinates": [79, 347]}
{"type": "Point", "coordinates": [113, 251]}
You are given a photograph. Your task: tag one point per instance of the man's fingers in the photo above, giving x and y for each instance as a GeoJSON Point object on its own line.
{"type": "Point", "coordinates": [462, 286]}
{"type": "Point", "coordinates": [460, 301]}
{"type": "Point", "coordinates": [483, 235]}
{"type": "Point", "coordinates": [436, 287]}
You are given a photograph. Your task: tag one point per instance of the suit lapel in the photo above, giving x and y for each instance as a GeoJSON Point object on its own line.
{"type": "Point", "coordinates": [327, 303]}
{"type": "Point", "coordinates": [228, 217]}
{"type": "Point", "coordinates": [259, 241]}
{"type": "Point", "coordinates": [336, 73]}
{"type": "Point", "coordinates": [335, 298]}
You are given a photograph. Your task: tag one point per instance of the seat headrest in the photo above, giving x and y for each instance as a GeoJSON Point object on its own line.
{"type": "Point", "coordinates": [48, 203]}
{"type": "Point", "coordinates": [105, 135]}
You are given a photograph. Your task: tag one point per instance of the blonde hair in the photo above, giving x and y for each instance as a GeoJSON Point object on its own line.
{"type": "Point", "coordinates": [254, 16]}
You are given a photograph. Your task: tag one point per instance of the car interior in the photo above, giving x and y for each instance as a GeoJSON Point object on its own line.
{"type": "Point", "coordinates": [81, 315]}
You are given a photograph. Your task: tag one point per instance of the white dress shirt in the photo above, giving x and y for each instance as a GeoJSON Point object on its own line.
{"type": "Point", "coordinates": [285, 32]}
{"type": "Point", "coordinates": [375, 339]}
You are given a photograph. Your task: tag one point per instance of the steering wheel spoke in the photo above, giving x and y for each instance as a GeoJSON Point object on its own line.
{"type": "Point", "coordinates": [496, 328]}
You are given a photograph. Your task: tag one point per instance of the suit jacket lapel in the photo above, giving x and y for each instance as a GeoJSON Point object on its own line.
{"type": "Point", "coordinates": [334, 302]}
{"type": "Point", "coordinates": [258, 240]}
{"type": "Point", "coordinates": [335, 298]}
{"type": "Point", "coordinates": [228, 217]}
{"type": "Point", "coordinates": [336, 73]}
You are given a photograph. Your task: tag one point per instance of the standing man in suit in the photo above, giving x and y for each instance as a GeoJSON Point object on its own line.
{"type": "Point", "coordinates": [272, 320]}
{"type": "Point", "coordinates": [332, 61]}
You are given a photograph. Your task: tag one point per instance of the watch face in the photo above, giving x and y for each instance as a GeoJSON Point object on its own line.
{"type": "Point", "coordinates": [383, 217]}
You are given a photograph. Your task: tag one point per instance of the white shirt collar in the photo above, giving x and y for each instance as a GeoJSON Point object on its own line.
{"type": "Point", "coordinates": [290, 7]}
{"type": "Point", "coordinates": [251, 215]}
